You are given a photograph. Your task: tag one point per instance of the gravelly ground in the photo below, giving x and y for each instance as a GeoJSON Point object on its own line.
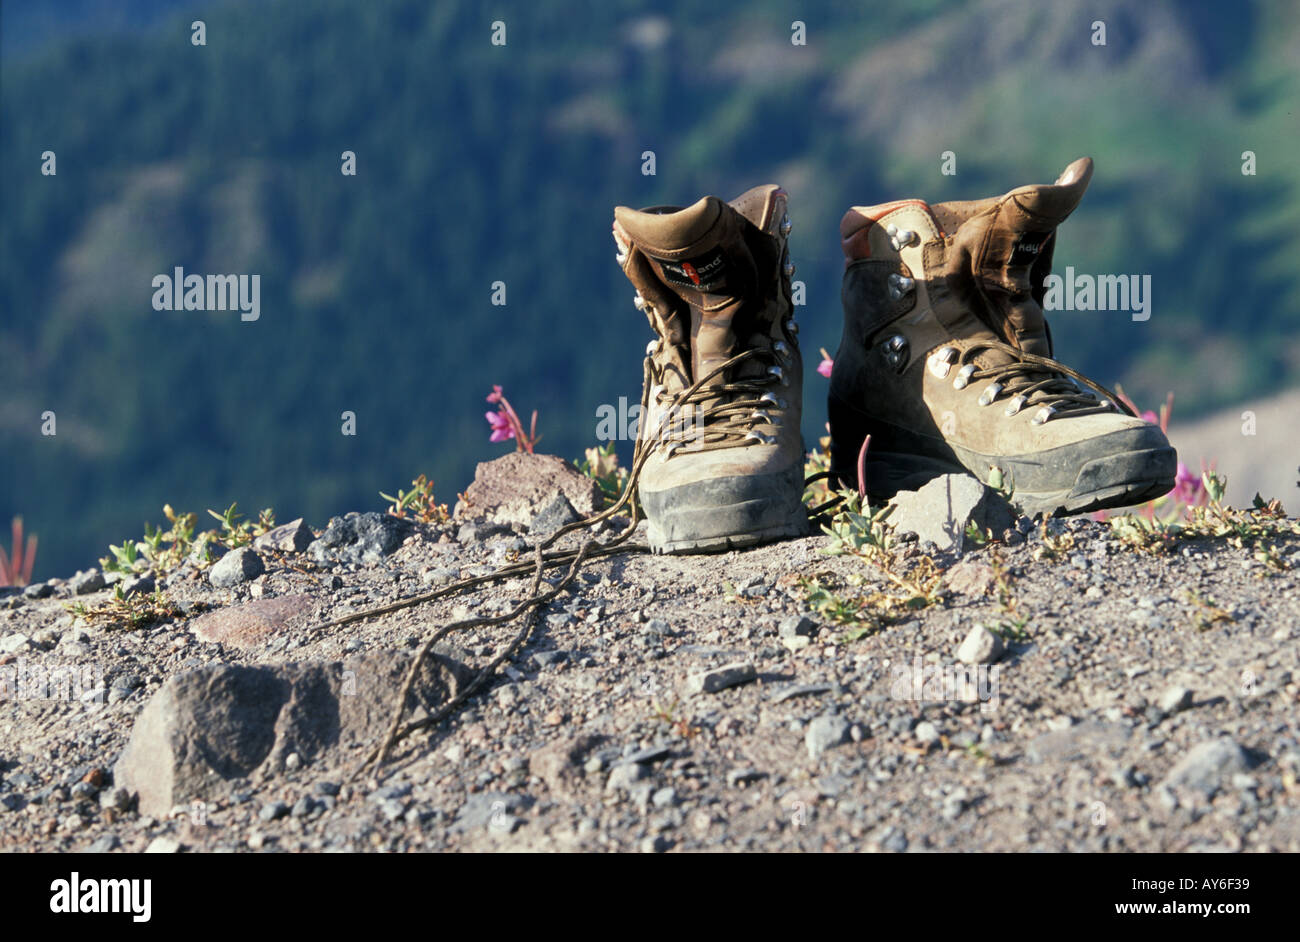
{"type": "Point", "coordinates": [1074, 753]}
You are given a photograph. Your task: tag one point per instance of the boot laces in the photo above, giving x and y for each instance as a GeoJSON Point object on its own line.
{"type": "Point", "coordinates": [1030, 380]}
{"type": "Point", "coordinates": [708, 415]}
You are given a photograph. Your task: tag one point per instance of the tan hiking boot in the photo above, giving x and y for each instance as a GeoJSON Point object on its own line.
{"type": "Point", "coordinates": [945, 360]}
{"type": "Point", "coordinates": [726, 462]}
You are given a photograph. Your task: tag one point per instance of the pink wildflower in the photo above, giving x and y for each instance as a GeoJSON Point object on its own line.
{"type": "Point", "coordinates": [1188, 487]}
{"type": "Point", "coordinates": [501, 427]}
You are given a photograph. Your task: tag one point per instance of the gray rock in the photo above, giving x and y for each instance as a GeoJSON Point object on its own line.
{"type": "Point", "coordinates": [926, 733]}
{"type": "Point", "coordinates": [292, 537]}
{"type": "Point", "coordinates": [1175, 699]}
{"type": "Point", "coordinates": [84, 583]}
{"type": "Point", "coordinates": [14, 643]}
{"type": "Point", "coordinates": [360, 538]}
{"type": "Point", "coordinates": [476, 532]}
{"type": "Point", "coordinates": [273, 810]}
{"type": "Point", "coordinates": [939, 511]}
{"type": "Point", "coordinates": [117, 798]}
{"type": "Point", "coordinates": [1205, 767]}
{"type": "Point", "coordinates": [980, 647]}
{"type": "Point", "coordinates": [955, 803]}
{"type": "Point", "coordinates": [891, 840]}
{"type": "Point", "coordinates": [624, 775]}
{"type": "Point", "coordinates": [38, 590]}
{"type": "Point", "coordinates": [438, 575]}
{"type": "Point", "coordinates": [511, 489]}
{"type": "Point", "coordinates": [489, 810]}
{"type": "Point", "coordinates": [648, 755]}
{"type": "Point", "coordinates": [104, 844]}
{"type": "Point", "coordinates": [142, 584]}
{"type": "Point", "coordinates": [720, 678]}
{"type": "Point", "coordinates": [163, 845]}
{"type": "Point", "coordinates": [664, 798]}
{"type": "Point", "coordinates": [239, 565]}
{"type": "Point", "coordinates": [825, 732]}
{"type": "Point", "coordinates": [555, 513]}
{"type": "Point", "coordinates": [797, 626]}
{"type": "Point", "coordinates": [801, 690]}
{"type": "Point", "coordinates": [745, 776]}
{"type": "Point", "coordinates": [392, 808]}
{"type": "Point", "coordinates": [250, 624]}
{"type": "Point", "coordinates": [970, 577]}
{"type": "Point", "coordinates": [222, 722]}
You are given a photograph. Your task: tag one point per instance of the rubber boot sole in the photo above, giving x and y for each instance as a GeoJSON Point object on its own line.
{"type": "Point", "coordinates": [1127, 467]}
{"type": "Point", "coordinates": [723, 514]}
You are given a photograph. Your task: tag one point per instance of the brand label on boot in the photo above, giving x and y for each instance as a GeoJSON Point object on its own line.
{"type": "Point", "coordinates": [704, 273]}
{"type": "Point", "coordinates": [1027, 247]}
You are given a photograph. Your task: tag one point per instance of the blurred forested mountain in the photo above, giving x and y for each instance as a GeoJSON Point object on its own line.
{"type": "Point", "coordinates": [479, 163]}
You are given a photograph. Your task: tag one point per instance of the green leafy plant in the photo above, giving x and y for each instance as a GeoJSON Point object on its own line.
{"type": "Point", "coordinates": [238, 532]}
{"type": "Point", "coordinates": [1254, 529]}
{"type": "Point", "coordinates": [1012, 624]}
{"type": "Point", "coordinates": [164, 550]}
{"type": "Point", "coordinates": [419, 502]}
{"type": "Point", "coordinates": [601, 465]}
{"type": "Point", "coordinates": [138, 610]}
{"type": "Point", "coordinates": [856, 530]}
{"type": "Point", "coordinates": [818, 462]}
{"type": "Point", "coordinates": [1206, 611]}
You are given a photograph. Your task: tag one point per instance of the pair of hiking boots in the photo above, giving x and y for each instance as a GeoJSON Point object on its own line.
{"type": "Point", "coordinates": [945, 363]}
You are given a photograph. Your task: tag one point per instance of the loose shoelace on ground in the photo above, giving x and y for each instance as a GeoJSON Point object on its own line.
{"type": "Point", "coordinates": [1057, 386]}
{"type": "Point", "coordinates": [572, 560]}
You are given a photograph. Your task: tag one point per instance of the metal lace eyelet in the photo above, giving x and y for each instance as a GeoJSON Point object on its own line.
{"type": "Point", "coordinates": [759, 437]}
{"type": "Point", "coordinates": [651, 347]}
{"type": "Point", "coordinates": [990, 393]}
{"type": "Point", "coordinates": [1014, 406]}
{"type": "Point", "coordinates": [789, 269]}
{"type": "Point", "coordinates": [778, 373]}
{"type": "Point", "coordinates": [638, 301]}
{"type": "Point", "coordinates": [941, 361]}
{"type": "Point", "coordinates": [899, 286]}
{"type": "Point", "coordinates": [895, 350]}
{"type": "Point", "coordinates": [670, 450]}
{"type": "Point", "coordinates": [776, 402]}
{"type": "Point", "coordinates": [781, 350]}
{"type": "Point", "coordinates": [962, 379]}
{"type": "Point", "coordinates": [900, 238]}
{"type": "Point", "coordinates": [786, 226]}
{"type": "Point", "coordinates": [1043, 414]}
{"type": "Point", "coordinates": [791, 327]}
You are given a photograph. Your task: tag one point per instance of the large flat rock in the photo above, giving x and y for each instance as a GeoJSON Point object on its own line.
{"type": "Point", "coordinates": [252, 623]}
{"type": "Point", "coordinates": [208, 728]}
{"type": "Point", "coordinates": [515, 488]}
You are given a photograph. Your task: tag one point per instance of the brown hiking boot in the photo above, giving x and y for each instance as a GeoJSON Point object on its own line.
{"type": "Point", "coordinates": [726, 462]}
{"type": "Point", "coordinates": [946, 360]}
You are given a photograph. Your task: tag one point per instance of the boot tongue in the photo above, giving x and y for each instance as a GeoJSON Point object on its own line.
{"type": "Point", "coordinates": [700, 255]}
{"type": "Point", "coordinates": [1013, 256]}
